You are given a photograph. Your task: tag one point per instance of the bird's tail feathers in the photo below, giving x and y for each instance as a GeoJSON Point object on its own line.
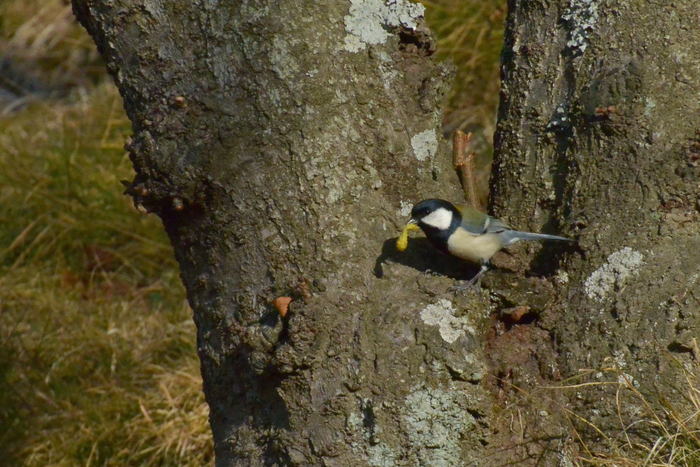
{"type": "Point", "coordinates": [513, 236]}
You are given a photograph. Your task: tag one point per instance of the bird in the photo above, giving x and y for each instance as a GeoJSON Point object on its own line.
{"type": "Point", "coordinates": [465, 232]}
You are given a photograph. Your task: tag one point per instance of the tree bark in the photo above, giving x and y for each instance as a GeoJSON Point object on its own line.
{"type": "Point", "coordinates": [598, 137]}
{"type": "Point", "coordinates": [282, 144]}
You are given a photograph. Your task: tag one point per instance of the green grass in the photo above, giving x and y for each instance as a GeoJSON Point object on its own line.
{"type": "Point", "coordinates": [97, 353]}
{"type": "Point", "coordinates": [470, 33]}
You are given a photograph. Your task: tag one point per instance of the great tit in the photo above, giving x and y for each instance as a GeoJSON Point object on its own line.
{"type": "Point", "coordinates": [465, 232]}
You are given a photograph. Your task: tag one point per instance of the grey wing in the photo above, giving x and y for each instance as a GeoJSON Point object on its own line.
{"type": "Point", "coordinates": [494, 225]}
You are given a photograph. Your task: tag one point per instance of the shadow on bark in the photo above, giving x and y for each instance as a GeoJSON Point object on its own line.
{"type": "Point", "coordinates": [251, 393]}
{"type": "Point", "coordinates": [422, 256]}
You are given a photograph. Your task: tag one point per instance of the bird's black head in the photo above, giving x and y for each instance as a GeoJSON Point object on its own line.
{"type": "Point", "coordinates": [436, 213]}
{"type": "Point", "coordinates": [438, 219]}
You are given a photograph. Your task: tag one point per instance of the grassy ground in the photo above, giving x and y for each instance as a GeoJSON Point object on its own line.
{"type": "Point", "coordinates": [97, 352]}
{"type": "Point", "coordinates": [470, 33]}
{"type": "Point", "coordinates": [97, 356]}
{"type": "Point", "coordinates": [42, 38]}
{"type": "Point", "coordinates": [672, 431]}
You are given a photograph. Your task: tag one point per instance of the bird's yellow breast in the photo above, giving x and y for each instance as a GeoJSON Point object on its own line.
{"type": "Point", "coordinates": [474, 248]}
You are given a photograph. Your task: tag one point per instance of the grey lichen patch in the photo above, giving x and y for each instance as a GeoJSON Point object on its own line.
{"type": "Point", "coordinates": [610, 276]}
{"type": "Point", "coordinates": [322, 172]}
{"type": "Point", "coordinates": [378, 453]}
{"type": "Point", "coordinates": [284, 64]}
{"type": "Point", "coordinates": [581, 16]}
{"type": "Point", "coordinates": [442, 314]}
{"type": "Point", "coordinates": [368, 20]}
{"type": "Point", "coordinates": [353, 422]}
{"type": "Point", "coordinates": [424, 144]}
{"type": "Point", "coordinates": [389, 76]}
{"type": "Point", "coordinates": [381, 455]}
{"type": "Point", "coordinates": [436, 422]}
{"type": "Point", "coordinates": [405, 209]}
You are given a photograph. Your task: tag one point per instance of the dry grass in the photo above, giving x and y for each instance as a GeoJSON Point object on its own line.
{"type": "Point", "coordinates": [651, 430]}
{"type": "Point", "coordinates": [44, 48]}
{"type": "Point", "coordinates": [97, 353]}
{"type": "Point", "coordinates": [671, 430]}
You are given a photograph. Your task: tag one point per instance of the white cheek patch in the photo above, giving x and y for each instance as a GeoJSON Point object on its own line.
{"type": "Point", "coordinates": [441, 219]}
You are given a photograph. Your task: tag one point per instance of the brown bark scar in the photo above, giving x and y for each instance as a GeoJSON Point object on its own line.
{"type": "Point", "coordinates": [282, 305]}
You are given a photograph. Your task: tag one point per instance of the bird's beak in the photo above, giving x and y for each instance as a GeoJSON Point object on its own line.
{"type": "Point", "coordinates": [411, 225]}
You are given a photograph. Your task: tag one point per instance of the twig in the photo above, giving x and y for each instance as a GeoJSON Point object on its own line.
{"type": "Point", "coordinates": [464, 165]}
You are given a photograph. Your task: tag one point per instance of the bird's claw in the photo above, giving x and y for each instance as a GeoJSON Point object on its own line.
{"type": "Point", "coordinates": [472, 284]}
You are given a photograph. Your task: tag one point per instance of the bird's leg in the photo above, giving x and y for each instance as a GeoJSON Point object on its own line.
{"type": "Point", "coordinates": [477, 277]}
{"type": "Point", "coordinates": [474, 281]}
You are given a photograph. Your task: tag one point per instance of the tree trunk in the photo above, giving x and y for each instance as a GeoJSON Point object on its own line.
{"type": "Point", "coordinates": [282, 144]}
{"type": "Point", "coordinates": [598, 137]}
